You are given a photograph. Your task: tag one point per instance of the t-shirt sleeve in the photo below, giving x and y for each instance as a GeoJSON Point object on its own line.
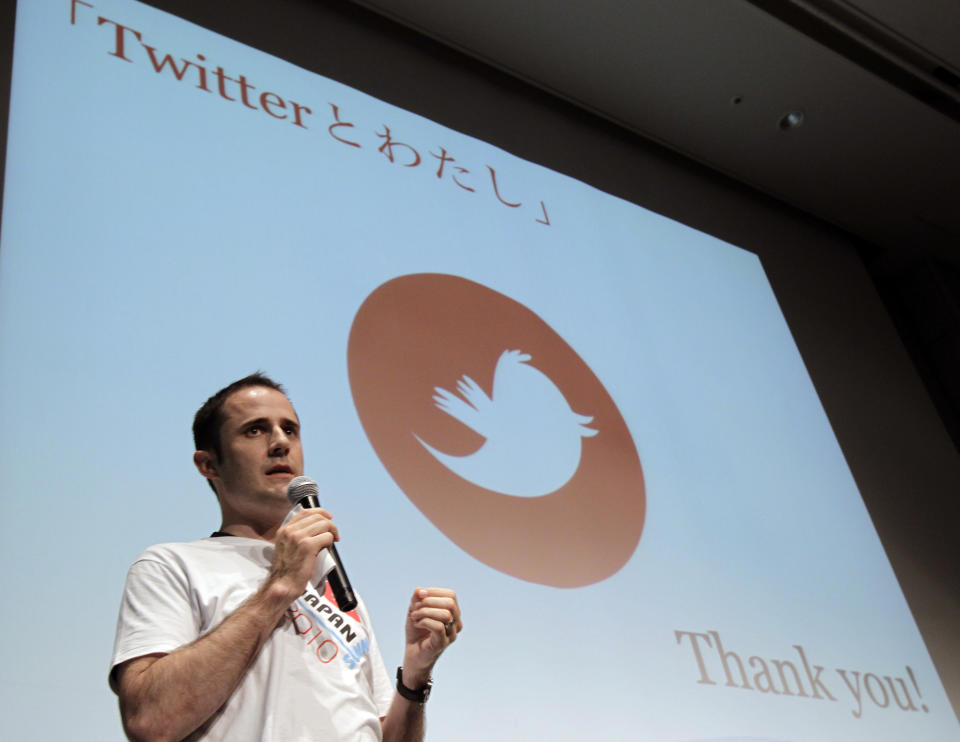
{"type": "Point", "coordinates": [156, 614]}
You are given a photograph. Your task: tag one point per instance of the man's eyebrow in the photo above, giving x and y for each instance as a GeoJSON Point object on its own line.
{"type": "Point", "coordinates": [255, 421]}
{"type": "Point", "coordinates": [266, 421]}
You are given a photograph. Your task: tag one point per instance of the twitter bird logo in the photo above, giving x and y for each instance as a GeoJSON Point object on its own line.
{"type": "Point", "coordinates": [532, 437]}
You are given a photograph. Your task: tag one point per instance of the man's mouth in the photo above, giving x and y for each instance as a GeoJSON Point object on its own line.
{"type": "Point", "coordinates": [279, 469]}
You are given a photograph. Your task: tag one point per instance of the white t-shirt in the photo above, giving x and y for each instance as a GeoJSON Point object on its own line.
{"type": "Point", "coordinates": [318, 677]}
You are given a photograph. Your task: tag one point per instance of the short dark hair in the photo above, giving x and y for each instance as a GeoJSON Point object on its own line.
{"type": "Point", "coordinates": [209, 418]}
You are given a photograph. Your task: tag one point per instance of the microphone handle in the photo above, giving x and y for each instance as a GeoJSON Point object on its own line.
{"type": "Point", "coordinates": [339, 582]}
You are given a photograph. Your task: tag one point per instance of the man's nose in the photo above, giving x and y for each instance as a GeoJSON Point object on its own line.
{"type": "Point", "coordinates": [279, 443]}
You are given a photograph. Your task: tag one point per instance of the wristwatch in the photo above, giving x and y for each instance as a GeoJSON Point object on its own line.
{"type": "Point", "coordinates": [417, 696]}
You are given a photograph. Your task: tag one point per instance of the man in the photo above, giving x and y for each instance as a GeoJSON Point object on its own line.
{"type": "Point", "coordinates": [226, 638]}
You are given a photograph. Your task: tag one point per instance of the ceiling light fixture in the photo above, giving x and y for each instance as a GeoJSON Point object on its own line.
{"type": "Point", "coordinates": [792, 120]}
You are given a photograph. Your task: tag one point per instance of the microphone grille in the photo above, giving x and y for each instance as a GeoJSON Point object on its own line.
{"type": "Point", "coordinates": [300, 487]}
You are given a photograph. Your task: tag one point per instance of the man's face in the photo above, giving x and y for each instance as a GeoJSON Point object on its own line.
{"type": "Point", "coordinates": [259, 451]}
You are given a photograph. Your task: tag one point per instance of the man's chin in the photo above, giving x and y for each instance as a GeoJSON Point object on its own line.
{"type": "Point", "coordinates": [280, 477]}
{"type": "Point", "coordinates": [277, 485]}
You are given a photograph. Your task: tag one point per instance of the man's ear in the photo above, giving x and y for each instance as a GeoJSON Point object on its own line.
{"type": "Point", "coordinates": [206, 463]}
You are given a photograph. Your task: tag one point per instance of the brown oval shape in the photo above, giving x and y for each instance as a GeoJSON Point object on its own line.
{"type": "Point", "coordinates": [421, 331]}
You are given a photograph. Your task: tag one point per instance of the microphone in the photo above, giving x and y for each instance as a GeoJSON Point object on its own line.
{"type": "Point", "coordinates": [303, 491]}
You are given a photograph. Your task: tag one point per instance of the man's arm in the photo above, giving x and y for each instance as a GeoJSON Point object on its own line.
{"type": "Point", "coordinates": [433, 623]}
{"type": "Point", "coordinates": [166, 697]}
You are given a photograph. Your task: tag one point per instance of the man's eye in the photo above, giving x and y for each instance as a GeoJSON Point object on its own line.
{"type": "Point", "coordinates": [255, 430]}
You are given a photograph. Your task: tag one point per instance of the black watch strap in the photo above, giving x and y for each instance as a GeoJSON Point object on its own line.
{"type": "Point", "coordinates": [417, 696]}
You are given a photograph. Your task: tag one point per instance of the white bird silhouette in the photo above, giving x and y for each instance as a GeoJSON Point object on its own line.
{"type": "Point", "coordinates": [532, 444]}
